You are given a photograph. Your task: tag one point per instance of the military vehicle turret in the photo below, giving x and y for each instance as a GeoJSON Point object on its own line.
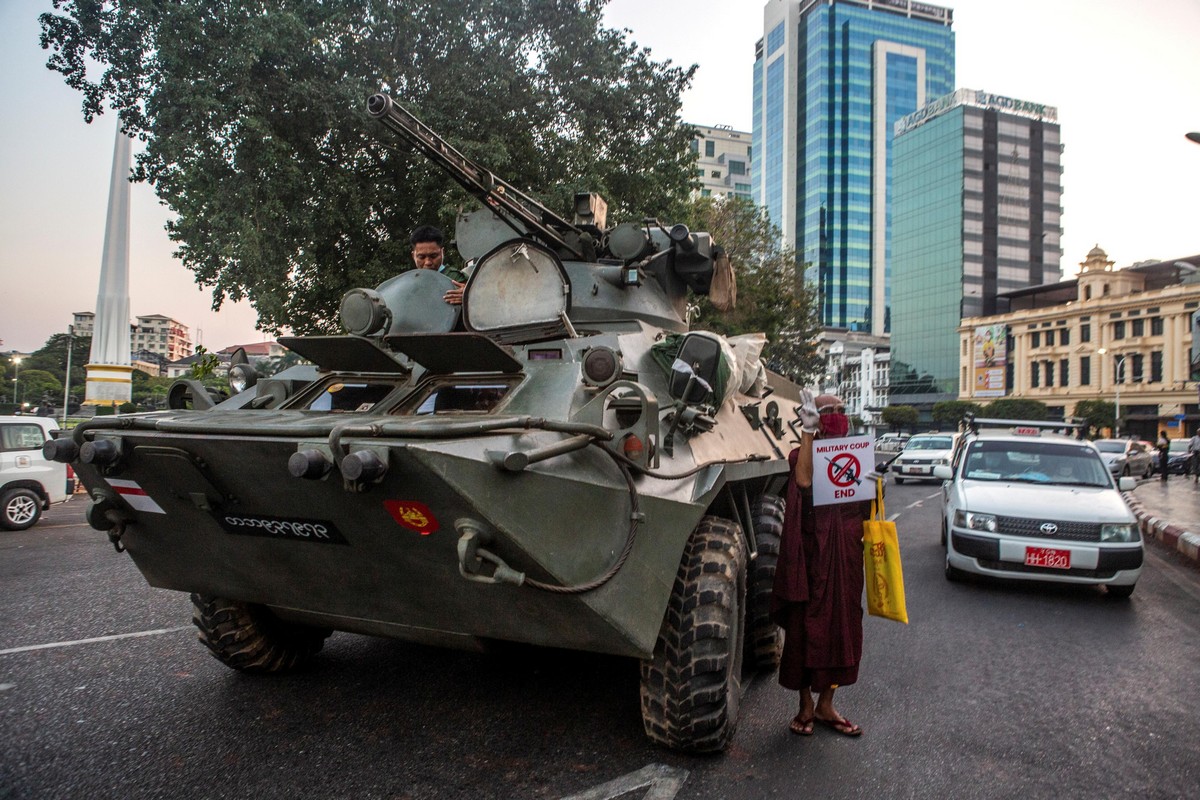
{"type": "Point", "coordinates": [558, 462]}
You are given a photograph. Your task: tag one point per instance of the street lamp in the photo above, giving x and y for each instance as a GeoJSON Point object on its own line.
{"type": "Point", "coordinates": [1118, 375]}
{"type": "Point", "coordinates": [16, 382]}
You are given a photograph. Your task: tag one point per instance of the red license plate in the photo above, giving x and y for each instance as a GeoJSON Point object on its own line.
{"type": "Point", "coordinates": [1047, 557]}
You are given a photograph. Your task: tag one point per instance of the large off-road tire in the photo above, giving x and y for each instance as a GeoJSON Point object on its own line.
{"type": "Point", "coordinates": [250, 638]}
{"type": "Point", "coordinates": [20, 509]}
{"type": "Point", "coordinates": [764, 639]}
{"type": "Point", "coordinates": [691, 687]}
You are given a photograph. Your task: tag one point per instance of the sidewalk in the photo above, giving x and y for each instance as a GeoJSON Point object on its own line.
{"type": "Point", "coordinates": [1170, 512]}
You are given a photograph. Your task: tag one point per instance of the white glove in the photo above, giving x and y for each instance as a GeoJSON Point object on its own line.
{"type": "Point", "coordinates": [810, 418]}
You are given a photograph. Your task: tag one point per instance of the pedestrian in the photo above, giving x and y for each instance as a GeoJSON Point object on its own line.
{"type": "Point", "coordinates": [1164, 452]}
{"type": "Point", "coordinates": [817, 595]}
{"type": "Point", "coordinates": [1194, 455]}
{"type": "Point", "coordinates": [428, 252]}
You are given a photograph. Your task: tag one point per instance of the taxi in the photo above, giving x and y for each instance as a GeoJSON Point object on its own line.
{"type": "Point", "coordinates": [1022, 502]}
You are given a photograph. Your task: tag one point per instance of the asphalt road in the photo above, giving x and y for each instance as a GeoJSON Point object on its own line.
{"type": "Point", "coordinates": [992, 691]}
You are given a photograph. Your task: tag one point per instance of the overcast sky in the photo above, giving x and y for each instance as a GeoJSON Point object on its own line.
{"type": "Point", "coordinates": [1124, 76]}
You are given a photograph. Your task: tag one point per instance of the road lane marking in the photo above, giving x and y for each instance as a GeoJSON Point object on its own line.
{"type": "Point", "coordinates": [660, 782]}
{"type": "Point", "coordinates": [114, 637]}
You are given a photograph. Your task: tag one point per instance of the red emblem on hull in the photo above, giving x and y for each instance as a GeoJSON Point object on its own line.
{"type": "Point", "coordinates": [412, 515]}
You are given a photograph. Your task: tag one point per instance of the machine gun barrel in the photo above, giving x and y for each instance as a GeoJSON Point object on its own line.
{"type": "Point", "coordinates": [515, 208]}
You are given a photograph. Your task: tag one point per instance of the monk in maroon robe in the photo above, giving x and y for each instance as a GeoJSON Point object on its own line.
{"type": "Point", "coordinates": [817, 596]}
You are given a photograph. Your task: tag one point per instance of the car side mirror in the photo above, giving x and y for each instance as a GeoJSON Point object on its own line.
{"type": "Point", "coordinates": [943, 472]}
{"type": "Point", "coordinates": [1127, 484]}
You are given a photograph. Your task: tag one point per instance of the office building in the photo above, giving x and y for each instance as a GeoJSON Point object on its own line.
{"type": "Point", "coordinates": [1123, 336]}
{"type": "Point", "coordinates": [976, 211]}
{"type": "Point", "coordinates": [831, 79]}
{"type": "Point", "coordinates": [722, 161]}
{"type": "Point", "coordinates": [154, 332]}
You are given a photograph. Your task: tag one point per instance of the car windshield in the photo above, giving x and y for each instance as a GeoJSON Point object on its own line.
{"type": "Point", "coordinates": [1110, 445]}
{"type": "Point", "coordinates": [1035, 461]}
{"type": "Point", "coordinates": [929, 443]}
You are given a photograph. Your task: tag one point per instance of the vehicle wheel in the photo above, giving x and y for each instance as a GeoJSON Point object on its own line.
{"type": "Point", "coordinates": [764, 639]}
{"type": "Point", "coordinates": [248, 637]}
{"type": "Point", "coordinates": [954, 574]}
{"type": "Point", "coordinates": [898, 479]}
{"type": "Point", "coordinates": [1119, 592]}
{"type": "Point", "coordinates": [20, 509]}
{"type": "Point", "coordinates": [691, 687]}
{"type": "Point", "coordinates": [943, 533]}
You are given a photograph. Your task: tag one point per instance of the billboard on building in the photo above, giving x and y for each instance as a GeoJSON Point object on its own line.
{"type": "Point", "coordinates": [990, 357]}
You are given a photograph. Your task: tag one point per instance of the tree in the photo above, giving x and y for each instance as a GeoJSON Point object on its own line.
{"type": "Point", "coordinates": [898, 418]}
{"type": "Point", "coordinates": [948, 413]}
{"type": "Point", "coordinates": [1016, 408]}
{"type": "Point", "coordinates": [38, 387]}
{"type": "Point", "coordinates": [1095, 414]}
{"type": "Point", "coordinates": [287, 194]}
{"type": "Point", "coordinates": [770, 299]}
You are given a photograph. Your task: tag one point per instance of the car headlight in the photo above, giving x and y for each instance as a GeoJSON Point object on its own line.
{"type": "Point", "coordinates": [1118, 533]}
{"type": "Point", "coordinates": [976, 522]}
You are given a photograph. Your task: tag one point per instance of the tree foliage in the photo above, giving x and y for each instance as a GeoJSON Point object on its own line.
{"type": "Point", "coordinates": [285, 193]}
{"type": "Point", "coordinates": [770, 299]}
{"type": "Point", "coordinates": [1095, 414]}
{"type": "Point", "coordinates": [1016, 408]}
{"type": "Point", "coordinates": [948, 413]}
{"type": "Point", "coordinates": [899, 418]}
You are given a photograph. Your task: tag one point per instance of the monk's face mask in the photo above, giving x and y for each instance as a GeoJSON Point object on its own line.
{"type": "Point", "coordinates": [834, 422]}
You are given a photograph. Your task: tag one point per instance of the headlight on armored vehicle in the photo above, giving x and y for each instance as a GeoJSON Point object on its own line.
{"type": "Point", "coordinates": [976, 522]}
{"type": "Point", "coordinates": [1118, 533]}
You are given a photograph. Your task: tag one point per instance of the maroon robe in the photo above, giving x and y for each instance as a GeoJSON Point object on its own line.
{"type": "Point", "coordinates": [817, 596]}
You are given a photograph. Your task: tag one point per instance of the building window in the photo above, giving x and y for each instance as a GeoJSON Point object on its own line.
{"type": "Point", "coordinates": [1035, 374]}
{"type": "Point", "coordinates": [695, 145]}
{"type": "Point", "coordinates": [737, 167]}
{"type": "Point", "coordinates": [1035, 339]}
{"type": "Point", "coordinates": [1085, 370]}
{"type": "Point", "coordinates": [1139, 327]}
{"type": "Point", "coordinates": [716, 173]}
{"type": "Point", "coordinates": [1049, 374]}
{"type": "Point", "coordinates": [1156, 361]}
{"type": "Point", "coordinates": [1156, 326]}
{"type": "Point", "coordinates": [1064, 336]}
{"type": "Point", "coordinates": [1063, 374]}
{"type": "Point", "coordinates": [1085, 333]}
{"type": "Point", "coordinates": [706, 192]}
{"type": "Point", "coordinates": [1138, 362]}
{"type": "Point", "coordinates": [710, 149]}
{"type": "Point", "coordinates": [1087, 293]}
{"type": "Point", "coordinates": [1118, 330]}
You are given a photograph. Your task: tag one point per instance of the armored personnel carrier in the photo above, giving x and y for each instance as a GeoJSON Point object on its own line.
{"type": "Point", "coordinates": [558, 461]}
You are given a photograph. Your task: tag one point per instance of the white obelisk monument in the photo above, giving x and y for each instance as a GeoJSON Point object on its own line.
{"type": "Point", "coordinates": [110, 373]}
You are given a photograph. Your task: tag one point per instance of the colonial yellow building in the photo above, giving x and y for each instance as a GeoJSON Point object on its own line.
{"type": "Point", "coordinates": [1118, 335]}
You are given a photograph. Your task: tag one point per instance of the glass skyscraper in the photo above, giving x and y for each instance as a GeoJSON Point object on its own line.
{"type": "Point", "coordinates": [976, 210]}
{"type": "Point", "coordinates": [831, 78]}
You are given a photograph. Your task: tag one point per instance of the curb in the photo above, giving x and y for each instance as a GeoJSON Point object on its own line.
{"type": "Point", "coordinates": [1184, 542]}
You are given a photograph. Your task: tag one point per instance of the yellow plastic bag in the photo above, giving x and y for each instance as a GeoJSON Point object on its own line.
{"type": "Point", "coordinates": [881, 556]}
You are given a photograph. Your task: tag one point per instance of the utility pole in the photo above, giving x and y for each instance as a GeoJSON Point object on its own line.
{"type": "Point", "coordinates": [67, 377]}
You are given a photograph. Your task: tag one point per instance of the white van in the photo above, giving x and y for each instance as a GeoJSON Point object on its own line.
{"type": "Point", "coordinates": [28, 482]}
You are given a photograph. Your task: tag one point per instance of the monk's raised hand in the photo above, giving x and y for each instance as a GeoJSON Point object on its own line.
{"type": "Point", "coordinates": [810, 418]}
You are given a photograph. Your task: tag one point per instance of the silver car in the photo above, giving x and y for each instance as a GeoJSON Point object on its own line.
{"type": "Point", "coordinates": [1127, 456]}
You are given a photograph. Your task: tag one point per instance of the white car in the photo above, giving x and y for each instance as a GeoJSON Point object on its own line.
{"type": "Point", "coordinates": [921, 454]}
{"type": "Point", "coordinates": [28, 482]}
{"type": "Point", "coordinates": [1022, 503]}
